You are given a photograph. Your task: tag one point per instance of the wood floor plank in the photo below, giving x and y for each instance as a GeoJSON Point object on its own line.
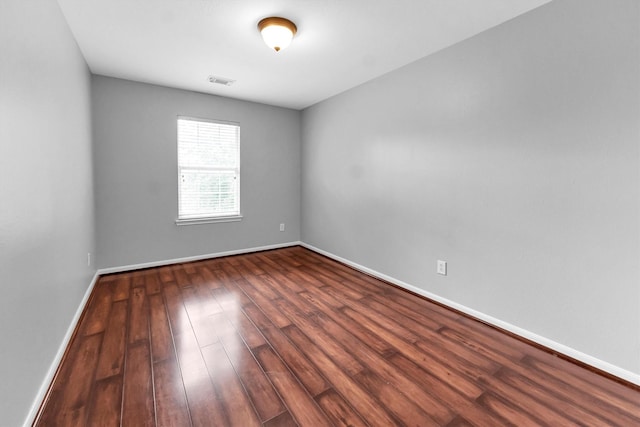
{"type": "Point", "coordinates": [247, 330]}
{"type": "Point", "coordinates": [494, 343]}
{"type": "Point", "coordinates": [202, 293]}
{"type": "Point", "coordinates": [339, 412]}
{"type": "Point", "coordinates": [283, 258]}
{"type": "Point", "coordinates": [475, 365]}
{"type": "Point", "coordinates": [616, 388]}
{"type": "Point", "coordinates": [181, 276]}
{"type": "Point", "coordinates": [405, 411]}
{"type": "Point", "coordinates": [165, 274]}
{"type": "Point", "coordinates": [337, 275]}
{"type": "Point", "coordinates": [232, 310]}
{"type": "Point", "coordinates": [170, 399]}
{"type": "Point", "coordinates": [506, 410]}
{"type": "Point", "coordinates": [375, 342]}
{"type": "Point", "coordinates": [203, 400]}
{"type": "Point", "coordinates": [105, 406]}
{"type": "Point", "coordinates": [98, 310]}
{"type": "Point", "coordinates": [190, 267]}
{"type": "Point", "coordinates": [283, 281]}
{"type": "Point", "coordinates": [307, 374]}
{"type": "Point", "coordinates": [437, 366]}
{"type": "Point", "coordinates": [266, 305]}
{"type": "Point", "coordinates": [138, 316]}
{"type": "Point", "coordinates": [138, 401]}
{"type": "Point", "coordinates": [287, 337]}
{"type": "Point", "coordinates": [120, 289]}
{"type": "Point", "coordinates": [305, 256]}
{"type": "Point", "coordinates": [387, 372]}
{"type": "Point", "coordinates": [235, 401]}
{"type": "Point", "coordinates": [608, 405]}
{"type": "Point", "coordinates": [485, 349]}
{"type": "Point", "coordinates": [419, 305]}
{"type": "Point", "coordinates": [341, 291]}
{"type": "Point", "coordinates": [452, 349]}
{"type": "Point", "coordinates": [260, 390]}
{"type": "Point", "coordinates": [377, 301]}
{"type": "Point", "coordinates": [199, 301]}
{"type": "Point", "coordinates": [152, 282]}
{"type": "Point", "coordinates": [206, 329]}
{"type": "Point", "coordinates": [177, 314]}
{"type": "Point", "coordinates": [460, 422]}
{"type": "Point", "coordinates": [575, 412]}
{"type": "Point", "coordinates": [368, 407]}
{"type": "Point", "coordinates": [319, 293]}
{"type": "Point", "coordinates": [161, 339]}
{"type": "Point", "coordinates": [265, 285]}
{"type": "Point", "coordinates": [329, 344]}
{"type": "Point", "coordinates": [334, 287]}
{"type": "Point", "coordinates": [270, 263]}
{"type": "Point", "coordinates": [441, 390]}
{"type": "Point", "coordinates": [583, 398]}
{"type": "Point", "coordinates": [283, 420]}
{"type": "Point", "coordinates": [71, 395]}
{"type": "Point", "coordinates": [229, 271]}
{"type": "Point", "coordinates": [514, 364]}
{"type": "Point", "coordinates": [204, 315]}
{"type": "Point", "coordinates": [304, 409]}
{"type": "Point", "coordinates": [111, 360]}
{"type": "Point", "coordinates": [210, 276]}
{"type": "Point", "coordinates": [384, 320]}
{"type": "Point", "coordinates": [285, 292]}
{"type": "Point", "coordinates": [605, 399]}
{"type": "Point", "coordinates": [579, 397]}
{"type": "Point", "coordinates": [233, 296]}
{"type": "Point", "coordinates": [525, 402]}
{"type": "Point", "coordinates": [137, 278]}
{"type": "Point", "coordinates": [248, 267]}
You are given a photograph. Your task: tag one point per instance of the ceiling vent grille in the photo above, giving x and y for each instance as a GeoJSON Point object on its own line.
{"type": "Point", "coordinates": [221, 80]}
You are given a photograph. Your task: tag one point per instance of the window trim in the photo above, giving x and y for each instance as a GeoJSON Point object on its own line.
{"type": "Point", "coordinates": [207, 219]}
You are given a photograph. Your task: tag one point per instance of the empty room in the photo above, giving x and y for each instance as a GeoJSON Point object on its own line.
{"type": "Point", "coordinates": [320, 212]}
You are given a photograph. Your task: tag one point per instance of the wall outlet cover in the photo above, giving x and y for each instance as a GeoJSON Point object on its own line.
{"type": "Point", "coordinates": [442, 267]}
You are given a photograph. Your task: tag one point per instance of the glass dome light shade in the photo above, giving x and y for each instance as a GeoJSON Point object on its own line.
{"type": "Point", "coordinates": [277, 33]}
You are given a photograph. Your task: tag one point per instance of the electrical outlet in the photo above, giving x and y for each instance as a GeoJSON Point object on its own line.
{"type": "Point", "coordinates": [442, 267]}
{"type": "Point", "coordinates": [88, 259]}
{"type": "Point", "coordinates": [281, 227]}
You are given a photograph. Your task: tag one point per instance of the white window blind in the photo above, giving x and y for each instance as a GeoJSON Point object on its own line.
{"type": "Point", "coordinates": [208, 169]}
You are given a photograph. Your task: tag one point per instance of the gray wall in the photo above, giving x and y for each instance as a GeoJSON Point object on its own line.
{"type": "Point", "coordinates": [136, 173]}
{"type": "Point", "coordinates": [46, 195]}
{"type": "Point", "coordinates": [514, 156]}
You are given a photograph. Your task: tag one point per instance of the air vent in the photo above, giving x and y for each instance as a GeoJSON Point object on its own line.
{"type": "Point", "coordinates": [221, 80]}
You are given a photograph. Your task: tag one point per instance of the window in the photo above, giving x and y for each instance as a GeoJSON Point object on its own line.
{"type": "Point", "coordinates": [208, 171]}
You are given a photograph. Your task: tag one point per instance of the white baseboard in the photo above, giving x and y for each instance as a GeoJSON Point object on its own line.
{"type": "Point", "coordinates": [131, 267]}
{"type": "Point", "coordinates": [33, 412]}
{"type": "Point", "coordinates": [555, 346]}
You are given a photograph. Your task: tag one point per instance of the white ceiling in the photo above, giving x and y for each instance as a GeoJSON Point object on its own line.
{"type": "Point", "coordinates": [340, 43]}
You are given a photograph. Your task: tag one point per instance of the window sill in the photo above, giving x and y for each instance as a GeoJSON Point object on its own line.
{"type": "Point", "coordinates": [211, 220]}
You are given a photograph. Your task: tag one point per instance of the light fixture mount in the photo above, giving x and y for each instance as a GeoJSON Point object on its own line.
{"type": "Point", "coordinates": [277, 32]}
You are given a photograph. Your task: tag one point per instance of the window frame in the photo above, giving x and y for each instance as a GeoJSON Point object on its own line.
{"type": "Point", "coordinates": [206, 219]}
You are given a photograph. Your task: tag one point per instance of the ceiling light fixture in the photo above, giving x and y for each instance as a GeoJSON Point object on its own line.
{"type": "Point", "coordinates": [276, 32]}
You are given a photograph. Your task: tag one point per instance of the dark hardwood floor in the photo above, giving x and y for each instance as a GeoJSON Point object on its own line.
{"type": "Point", "coordinates": [288, 337]}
